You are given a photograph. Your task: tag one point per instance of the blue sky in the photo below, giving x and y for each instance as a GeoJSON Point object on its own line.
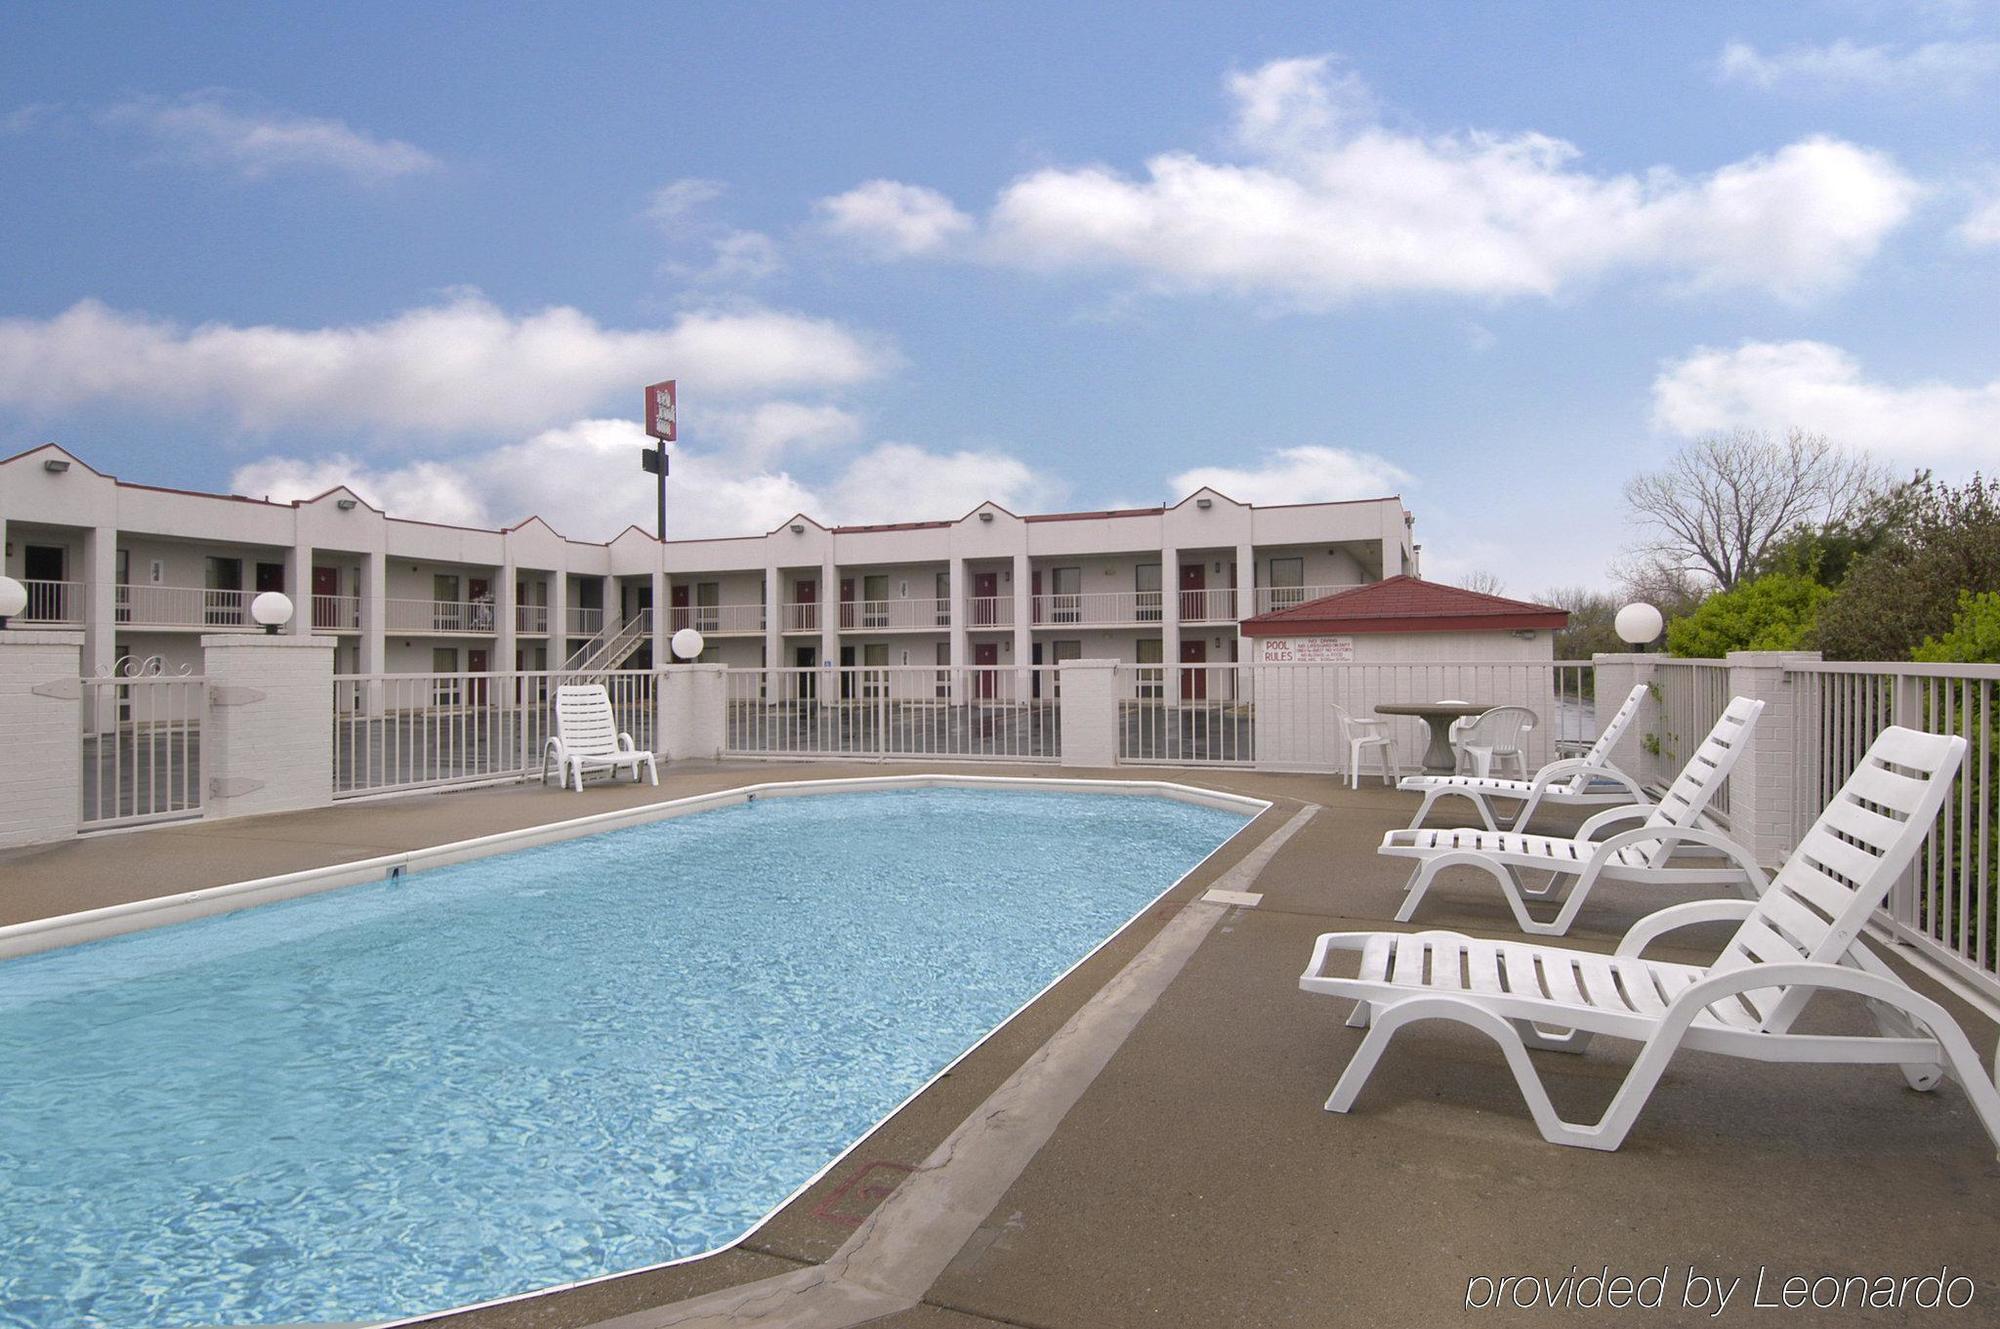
{"type": "Point", "coordinates": [902, 257]}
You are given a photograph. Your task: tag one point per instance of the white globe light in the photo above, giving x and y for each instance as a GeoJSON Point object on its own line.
{"type": "Point", "coordinates": [1639, 623]}
{"type": "Point", "coordinates": [687, 643]}
{"type": "Point", "coordinates": [13, 597]}
{"type": "Point", "coordinates": [272, 610]}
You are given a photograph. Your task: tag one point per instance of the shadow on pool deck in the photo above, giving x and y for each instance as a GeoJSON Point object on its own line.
{"type": "Point", "coordinates": [1196, 1181]}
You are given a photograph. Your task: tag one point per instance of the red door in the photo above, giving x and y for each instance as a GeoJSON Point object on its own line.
{"type": "Point", "coordinates": [1194, 682]}
{"type": "Point", "coordinates": [806, 594]}
{"type": "Point", "coordinates": [326, 587]}
{"type": "Point", "coordinates": [986, 656]}
{"type": "Point", "coordinates": [985, 590]}
{"type": "Point", "coordinates": [1194, 581]}
{"type": "Point", "coordinates": [847, 602]}
{"type": "Point", "coordinates": [679, 606]}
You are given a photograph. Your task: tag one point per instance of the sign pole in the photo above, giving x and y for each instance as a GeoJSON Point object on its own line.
{"type": "Point", "coordinates": [663, 423]}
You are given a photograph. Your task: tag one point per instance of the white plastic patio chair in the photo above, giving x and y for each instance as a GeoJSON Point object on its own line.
{"type": "Point", "coordinates": [1584, 781]}
{"type": "Point", "coordinates": [1360, 736]}
{"type": "Point", "coordinates": [1649, 854]}
{"type": "Point", "coordinates": [1493, 738]}
{"type": "Point", "coordinates": [587, 738]}
{"type": "Point", "coordinates": [1801, 938]}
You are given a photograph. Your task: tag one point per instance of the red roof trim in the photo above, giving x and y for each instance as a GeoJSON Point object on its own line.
{"type": "Point", "coordinates": [1405, 604]}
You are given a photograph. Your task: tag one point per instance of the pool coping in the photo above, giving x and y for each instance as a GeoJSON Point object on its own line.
{"type": "Point", "coordinates": [42, 935]}
{"type": "Point", "coordinates": [62, 930]}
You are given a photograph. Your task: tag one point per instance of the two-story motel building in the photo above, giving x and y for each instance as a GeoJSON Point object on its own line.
{"type": "Point", "coordinates": [145, 571]}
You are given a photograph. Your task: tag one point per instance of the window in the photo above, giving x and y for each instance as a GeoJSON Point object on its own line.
{"type": "Point", "coordinates": [1288, 579]}
{"type": "Point", "coordinates": [122, 594]}
{"type": "Point", "coordinates": [944, 671]}
{"type": "Point", "coordinates": [875, 602]}
{"type": "Point", "coordinates": [1146, 582]}
{"type": "Point", "coordinates": [942, 593]}
{"type": "Point", "coordinates": [708, 606]}
{"type": "Point", "coordinates": [444, 687]}
{"type": "Point", "coordinates": [1066, 595]}
{"type": "Point", "coordinates": [222, 600]}
{"type": "Point", "coordinates": [445, 616]}
{"type": "Point", "coordinates": [875, 670]}
{"type": "Point", "coordinates": [1151, 681]}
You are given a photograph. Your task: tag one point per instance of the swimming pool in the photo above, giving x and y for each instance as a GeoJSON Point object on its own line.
{"type": "Point", "coordinates": [533, 1068]}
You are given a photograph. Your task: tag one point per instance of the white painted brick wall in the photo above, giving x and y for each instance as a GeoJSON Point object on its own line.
{"type": "Point", "coordinates": [1616, 676]}
{"type": "Point", "coordinates": [1763, 790]}
{"type": "Point", "coordinates": [1089, 712]}
{"type": "Point", "coordinates": [269, 741]}
{"type": "Point", "coordinates": [41, 736]}
{"type": "Point", "coordinates": [694, 711]}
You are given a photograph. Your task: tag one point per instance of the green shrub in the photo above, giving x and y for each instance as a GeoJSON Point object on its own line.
{"type": "Point", "coordinates": [1776, 612]}
{"type": "Point", "coordinates": [1974, 637]}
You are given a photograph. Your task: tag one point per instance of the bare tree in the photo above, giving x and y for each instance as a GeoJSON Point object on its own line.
{"type": "Point", "coordinates": [1718, 505]}
{"type": "Point", "coordinates": [1483, 582]}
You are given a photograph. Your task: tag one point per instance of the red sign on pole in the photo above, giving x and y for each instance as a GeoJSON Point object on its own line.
{"type": "Point", "coordinates": [660, 411]}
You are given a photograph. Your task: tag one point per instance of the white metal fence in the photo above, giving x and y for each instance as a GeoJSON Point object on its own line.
{"type": "Point", "coordinates": [896, 712]}
{"type": "Point", "coordinates": [1946, 904]}
{"type": "Point", "coordinates": [1282, 716]}
{"type": "Point", "coordinates": [396, 732]}
{"type": "Point", "coordinates": [142, 748]}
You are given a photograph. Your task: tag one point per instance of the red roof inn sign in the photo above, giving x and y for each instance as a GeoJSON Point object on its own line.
{"type": "Point", "coordinates": [660, 411]}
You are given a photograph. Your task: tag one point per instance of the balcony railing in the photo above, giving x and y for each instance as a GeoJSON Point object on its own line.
{"type": "Point", "coordinates": [797, 617]}
{"type": "Point", "coordinates": [336, 613]}
{"type": "Point", "coordinates": [895, 615]}
{"type": "Point", "coordinates": [531, 618]}
{"type": "Point", "coordinates": [1210, 606]}
{"type": "Point", "coordinates": [1097, 608]}
{"type": "Point", "coordinates": [989, 611]}
{"type": "Point", "coordinates": [1285, 597]}
{"type": "Point", "coordinates": [53, 602]}
{"type": "Point", "coordinates": [181, 607]}
{"type": "Point", "coordinates": [438, 615]}
{"type": "Point", "coordinates": [585, 622]}
{"type": "Point", "coordinates": [719, 620]}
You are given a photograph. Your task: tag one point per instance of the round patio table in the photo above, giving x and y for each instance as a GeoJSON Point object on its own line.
{"type": "Point", "coordinates": [1438, 757]}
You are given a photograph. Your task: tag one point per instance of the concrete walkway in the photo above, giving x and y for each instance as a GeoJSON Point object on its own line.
{"type": "Point", "coordinates": [1145, 1146]}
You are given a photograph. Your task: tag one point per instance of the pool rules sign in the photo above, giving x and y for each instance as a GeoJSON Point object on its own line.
{"type": "Point", "coordinates": [663, 423]}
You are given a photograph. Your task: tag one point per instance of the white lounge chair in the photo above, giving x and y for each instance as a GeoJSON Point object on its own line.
{"type": "Point", "coordinates": [1649, 853]}
{"type": "Point", "coordinates": [1494, 738]}
{"type": "Point", "coordinates": [1586, 781]}
{"type": "Point", "coordinates": [587, 738]}
{"type": "Point", "coordinates": [1360, 736]}
{"type": "Point", "coordinates": [1801, 938]}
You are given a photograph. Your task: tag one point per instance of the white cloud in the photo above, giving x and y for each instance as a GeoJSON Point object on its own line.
{"type": "Point", "coordinates": [675, 200]}
{"type": "Point", "coordinates": [457, 367]}
{"type": "Point", "coordinates": [773, 429]}
{"type": "Point", "coordinates": [257, 143]}
{"type": "Point", "coordinates": [584, 479]}
{"type": "Point", "coordinates": [901, 482]}
{"type": "Point", "coordinates": [1310, 474]}
{"type": "Point", "coordinates": [1328, 204]}
{"type": "Point", "coordinates": [1773, 386]}
{"type": "Point", "coordinates": [893, 218]}
{"type": "Point", "coordinates": [1982, 225]}
{"type": "Point", "coordinates": [1951, 67]}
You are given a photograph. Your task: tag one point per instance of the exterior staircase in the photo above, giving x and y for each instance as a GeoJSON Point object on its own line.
{"type": "Point", "coordinates": [614, 644]}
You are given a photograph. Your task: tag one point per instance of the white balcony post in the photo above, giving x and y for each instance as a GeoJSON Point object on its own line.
{"type": "Point", "coordinates": [1246, 582]}
{"type": "Point", "coordinates": [1024, 635]}
{"type": "Point", "coordinates": [268, 743]}
{"type": "Point", "coordinates": [662, 626]}
{"type": "Point", "coordinates": [374, 613]}
{"type": "Point", "coordinates": [558, 618]}
{"type": "Point", "coordinates": [1089, 701]}
{"type": "Point", "coordinates": [100, 633]}
{"type": "Point", "coordinates": [774, 627]}
{"type": "Point", "coordinates": [961, 619]}
{"type": "Point", "coordinates": [1170, 625]}
{"type": "Point", "coordinates": [829, 613]}
{"type": "Point", "coordinates": [298, 588]}
{"type": "Point", "coordinates": [41, 781]}
{"type": "Point", "coordinates": [506, 617]}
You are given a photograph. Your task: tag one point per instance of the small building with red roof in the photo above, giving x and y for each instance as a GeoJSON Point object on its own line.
{"type": "Point", "coordinates": [1405, 618]}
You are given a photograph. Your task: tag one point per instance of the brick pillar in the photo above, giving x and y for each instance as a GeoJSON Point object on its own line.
{"type": "Point", "coordinates": [694, 712]}
{"type": "Point", "coordinates": [1614, 677]}
{"type": "Point", "coordinates": [41, 778]}
{"type": "Point", "coordinates": [1089, 691]}
{"type": "Point", "coordinates": [269, 742]}
{"type": "Point", "coordinates": [1764, 797]}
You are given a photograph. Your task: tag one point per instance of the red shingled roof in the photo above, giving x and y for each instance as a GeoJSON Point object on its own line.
{"type": "Point", "coordinates": [1404, 604]}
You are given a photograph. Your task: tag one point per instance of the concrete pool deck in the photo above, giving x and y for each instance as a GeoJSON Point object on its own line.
{"type": "Point", "coordinates": [1147, 1141]}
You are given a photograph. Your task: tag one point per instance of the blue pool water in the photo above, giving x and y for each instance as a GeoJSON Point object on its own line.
{"type": "Point", "coordinates": [539, 1067]}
